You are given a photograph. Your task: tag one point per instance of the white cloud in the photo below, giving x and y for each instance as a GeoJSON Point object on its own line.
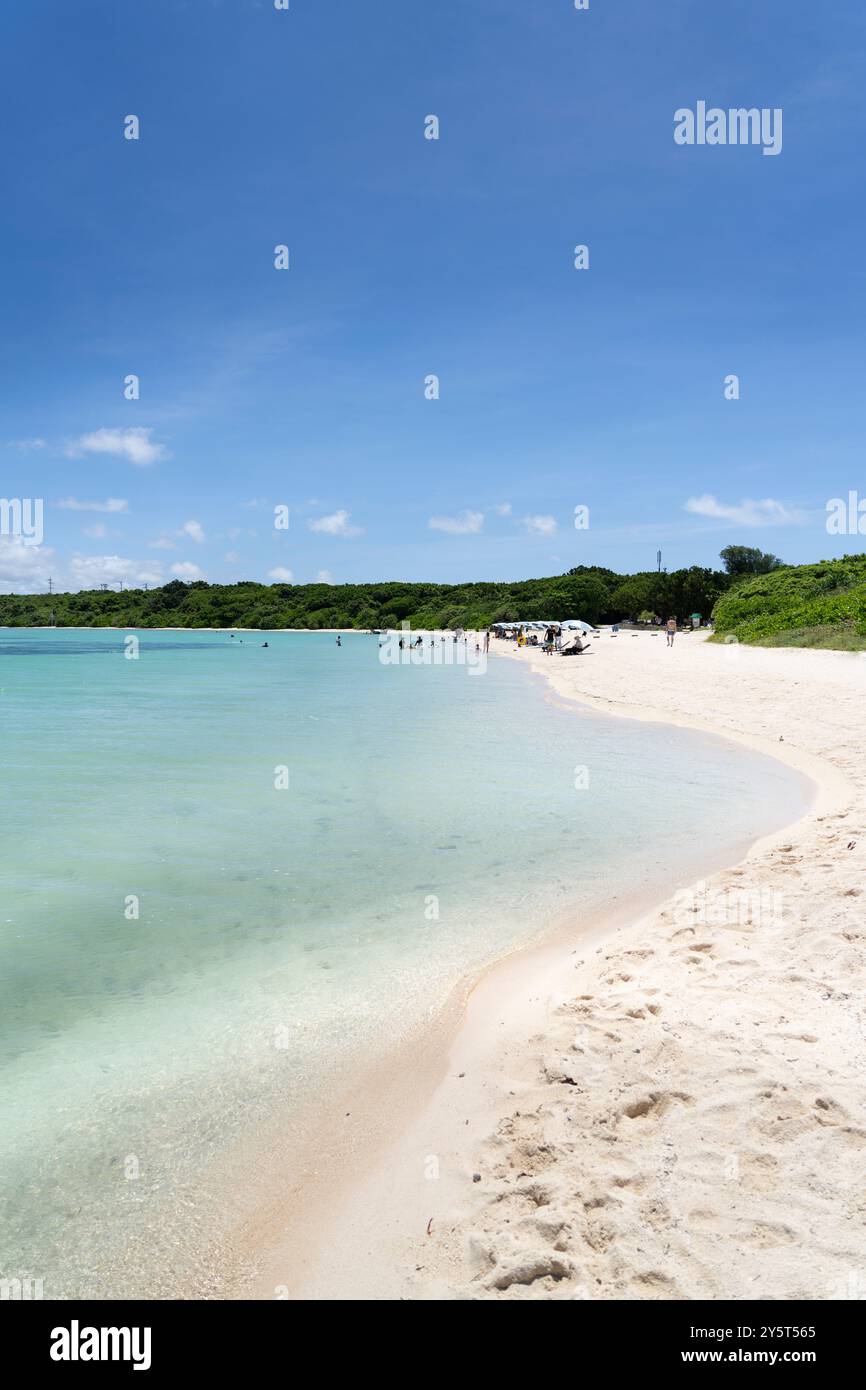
{"type": "Point", "coordinates": [193, 529]}
{"type": "Point", "coordinates": [186, 570]}
{"type": "Point", "coordinates": [161, 543]}
{"type": "Point", "coordinates": [232, 557]}
{"type": "Point", "coordinates": [96, 531]}
{"type": "Point", "coordinates": [111, 504]}
{"type": "Point", "coordinates": [325, 577]}
{"type": "Point", "coordinates": [135, 445]}
{"type": "Point", "coordinates": [281, 574]}
{"type": "Point", "coordinates": [89, 571]}
{"type": "Point", "coordinates": [539, 525]}
{"type": "Point", "coordinates": [466, 524]}
{"type": "Point", "coordinates": [337, 524]}
{"type": "Point", "coordinates": [23, 568]}
{"type": "Point", "coordinates": [766, 512]}
{"type": "Point", "coordinates": [503, 509]}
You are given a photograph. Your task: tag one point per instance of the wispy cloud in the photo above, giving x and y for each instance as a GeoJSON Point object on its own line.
{"type": "Point", "coordinates": [539, 525]}
{"type": "Point", "coordinates": [503, 509]}
{"type": "Point", "coordinates": [135, 445]}
{"type": "Point", "coordinates": [27, 446]}
{"type": "Point", "coordinates": [766, 512]}
{"type": "Point", "coordinates": [465, 524]}
{"type": "Point", "coordinates": [185, 569]}
{"type": "Point", "coordinates": [111, 504]}
{"type": "Point", "coordinates": [325, 577]}
{"type": "Point", "coordinates": [281, 575]}
{"type": "Point", "coordinates": [337, 524]}
{"type": "Point", "coordinates": [194, 529]}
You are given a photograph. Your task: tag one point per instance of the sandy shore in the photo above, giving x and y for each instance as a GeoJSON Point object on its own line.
{"type": "Point", "coordinates": [673, 1106]}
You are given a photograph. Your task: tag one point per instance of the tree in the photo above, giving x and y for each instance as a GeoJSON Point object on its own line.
{"type": "Point", "coordinates": [638, 593]}
{"type": "Point", "coordinates": [695, 590]}
{"type": "Point", "coordinates": [171, 595]}
{"type": "Point", "coordinates": [587, 597]}
{"type": "Point", "coordinates": [745, 559]}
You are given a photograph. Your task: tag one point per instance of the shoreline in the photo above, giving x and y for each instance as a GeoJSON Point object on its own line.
{"type": "Point", "coordinates": [375, 1222]}
{"type": "Point", "coordinates": [415, 1081]}
{"type": "Point", "coordinates": [113, 627]}
{"type": "Point", "coordinates": [714, 1160]}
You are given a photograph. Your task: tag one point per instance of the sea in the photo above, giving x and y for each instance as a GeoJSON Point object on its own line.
{"type": "Point", "coordinates": [232, 872]}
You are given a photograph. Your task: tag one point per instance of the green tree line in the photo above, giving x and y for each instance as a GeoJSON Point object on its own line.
{"type": "Point", "coordinates": [592, 593]}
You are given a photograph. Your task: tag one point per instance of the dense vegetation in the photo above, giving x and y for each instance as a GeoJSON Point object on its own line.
{"type": "Point", "coordinates": [594, 594]}
{"type": "Point", "coordinates": [761, 601]}
{"type": "Point", "coordinates": [820, 605]}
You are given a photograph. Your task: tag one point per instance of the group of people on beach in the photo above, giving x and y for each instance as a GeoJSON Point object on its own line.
{"type": "Point", "coordinates": [405, 643]}
{"type": "Point", "coordinates": [552, 639]}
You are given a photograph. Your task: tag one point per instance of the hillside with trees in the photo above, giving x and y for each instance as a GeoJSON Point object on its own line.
{"type": "Point", "coordinates": [755, 599]}
{"type": "Point", "coordinates": [595, 594]}
{"type": "Point", "coordinates": [821, 605]}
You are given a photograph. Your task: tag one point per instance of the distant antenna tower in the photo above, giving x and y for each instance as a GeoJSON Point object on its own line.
{"type": "Point", "coordinates": [50, 585]}
{"type": "Point", "coordinates": [659, 560]}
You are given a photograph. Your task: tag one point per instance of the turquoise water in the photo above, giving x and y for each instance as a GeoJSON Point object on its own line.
{"type": "Point", "coordinates": [188, 948]}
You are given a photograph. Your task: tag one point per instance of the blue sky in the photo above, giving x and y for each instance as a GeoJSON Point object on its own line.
{"type": "Point", "coordinates": [410, 257]}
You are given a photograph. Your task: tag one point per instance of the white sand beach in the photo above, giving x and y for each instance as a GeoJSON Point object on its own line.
{"type": "Point", "coordinates": [668, 1106]}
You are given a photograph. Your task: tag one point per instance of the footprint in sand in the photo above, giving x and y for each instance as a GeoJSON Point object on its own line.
{"type": "Point", "coordinates": [655, 1104]}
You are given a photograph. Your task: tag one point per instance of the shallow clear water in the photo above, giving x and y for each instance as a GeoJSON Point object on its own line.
{"type": "Point", "coordinates": [431, 822]}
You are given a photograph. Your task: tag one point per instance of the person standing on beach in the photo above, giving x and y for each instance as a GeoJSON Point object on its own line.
{"type": "Point", "coordinates": [671, 631]}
